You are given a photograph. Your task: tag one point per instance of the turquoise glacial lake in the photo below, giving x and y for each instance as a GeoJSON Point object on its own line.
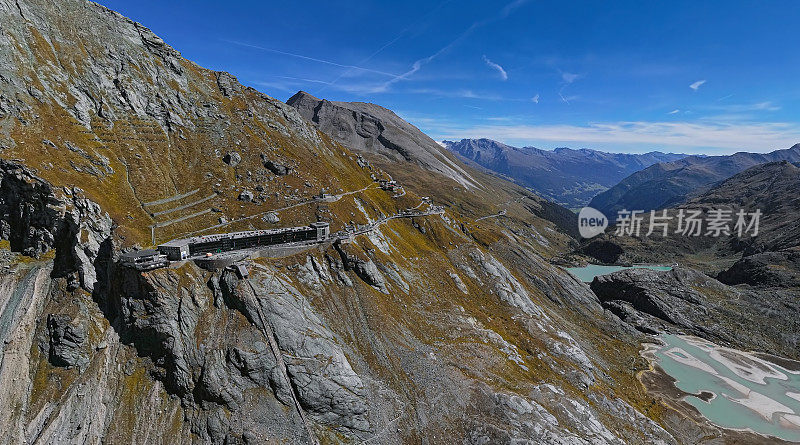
{"type": "Point", "coordinates": [587, 273]}
{"type": "Point", "coordinates": [746, 392]}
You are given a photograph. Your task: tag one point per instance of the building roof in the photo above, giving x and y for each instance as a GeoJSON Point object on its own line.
{"type": "Point", "coordinates": [176, 243]}
{"type": "Point", "coordinates": [235, 235]}
{"type": "Point", "coordinates": [139, 253]}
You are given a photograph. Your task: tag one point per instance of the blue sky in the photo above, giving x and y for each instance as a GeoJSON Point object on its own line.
{"type": "Point", "coordinates": [687, 76]}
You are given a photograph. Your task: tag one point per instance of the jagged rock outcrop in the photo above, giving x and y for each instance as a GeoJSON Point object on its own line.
{"type": "Point", "coordinates": [233, 159]}
{"type": "Point", "coordinates": [676, 296]}
{"type": "Point", "coordinates": [225, 368]}
{"type": "Point", "coordinates": [684, 300]}
{"type": "Point", "coordinates": [36, 217]}
{"type": "Point", "coordinates": [246, 196]}
{"type": "Point", "coordinates": [68, 345]}
{"type": "Point", "coordinates": [271, 218]}
{"type": "Point", "coordinates": [274, 167]}
{"type": "Point", "coordinates": [319, 370]}
{"type": "Point", "coordinates": [65, 377]}
{"type": "Point", "coordinates": [364, 267]}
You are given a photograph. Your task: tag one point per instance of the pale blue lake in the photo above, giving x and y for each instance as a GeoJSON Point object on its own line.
{"type": "Point", "coordinates": [748, 393]}
{"type": "Point", "coordinates": [587, 273]}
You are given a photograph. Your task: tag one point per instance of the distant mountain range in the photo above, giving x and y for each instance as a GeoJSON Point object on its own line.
{"type": "Point", "coordinates": [566, 176]}
{"type": "Point", "coordinates": [773, 255]}
{"type": "Point", "coordinates": [667, 184]}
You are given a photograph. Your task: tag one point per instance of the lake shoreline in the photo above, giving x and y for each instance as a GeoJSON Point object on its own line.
{"type": "Point", "coordinates": [658, 382]}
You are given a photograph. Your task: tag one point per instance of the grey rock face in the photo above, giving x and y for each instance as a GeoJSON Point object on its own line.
{"type": "Point", "coordinates": [686, 301]}
{"type": "Point", "coordinates": [641, 321]}
{"type": "Point", "coordinates": [767, 269]}
{"type": "Point", "coordinates": [669, 296]}
{"type": "Point", "coordinates": [233, 159]}
{"type": "Point", "coordinates": [68, 346]}
{"type": "Point", "coordinates": [274, 167]}
{"type": "Point", "coordinates": [272, 218]}
{"type": "Point", "coordinates": [91, 242]}
{"type": "Point", "coordinates": [168, 329]}
{"type": "Point", "coordinates": [365, 268]}
{"type": "Point", "coordinates": [214, 371]}
{"type": "Point", "coordinates": [313, 273]}
{"type": "Point", "coordinates": [374, 129]}
{"type": "Point", "coordinates": [326, 383]}
{"type": "Point", "coordinates": [549, 416]}
{"type": "Point", "coordinates": [29, 213]}
{"type": "Point", "coordinates": [367, 271]}
{"type": "Point", "coordinates": [650, 432]}
{"type": "Point", "coordinates": [508, 288]}
{"type": "Point", "coordinates": [246, 196]}
{"type": "Point", "coordinates": [35, 218]}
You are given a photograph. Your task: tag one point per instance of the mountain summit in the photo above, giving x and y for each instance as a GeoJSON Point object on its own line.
{"type": "Point", "coordinates": [371, 128]}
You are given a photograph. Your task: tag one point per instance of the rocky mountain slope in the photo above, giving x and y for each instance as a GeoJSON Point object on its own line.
{"type": "Point", "coordinates": [451, 328]}
{"type": "Point", "coordinates": [666, 184]}
{"type": "Point", "coordinates": [410, 156]}
{"type": "Point", "coordinates": [566, 176]}
{"type": "Point", "coordinates": [771, 188]}
{"type": "Point", "coordinates": [371, 128]}
{"type": "Point", "coordinates": [687, 301]}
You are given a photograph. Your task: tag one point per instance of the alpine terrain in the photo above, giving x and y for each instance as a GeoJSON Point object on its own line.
{"type": "Point", "coordinates": [429, 309]}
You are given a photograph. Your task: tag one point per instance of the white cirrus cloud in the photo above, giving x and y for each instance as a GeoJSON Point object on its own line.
{"type": "Point", "coordinates": [695, 86]}
{"type": "Point", "coordinates": [568, 78]}
{"type": "Point", "coordinates": [675, 111]}
{"type": "Point", "coordinates": [568, 99]}
{"type": "Point", "coordinates": [419, 63]}
{"type": "Point", "coordinates": [738, 108]}
{"type": "Point", "coordinates": [309, 58]}
{"type": "Point", "coordinates": [496, 67]}
{"type": "Point", "coordinates": [462, 94]}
